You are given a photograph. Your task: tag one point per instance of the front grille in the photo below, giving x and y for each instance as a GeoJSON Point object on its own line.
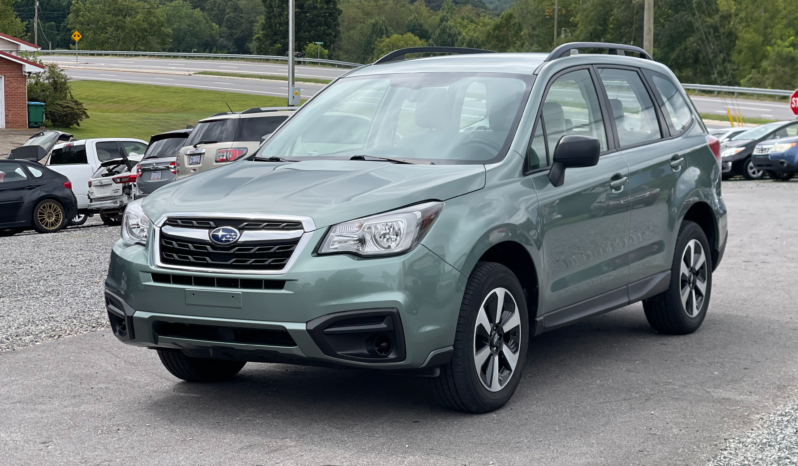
{"type": "Point", "coordinates": [211, 333]}
{"type": "Point", "coordinates": [205, 224]}
{"type": "Point", "coordinates": [763, 150]}
{"type": "Point", "coordinates": [252, 255]}
{"type": "Point", "coordinates": [218, 282]}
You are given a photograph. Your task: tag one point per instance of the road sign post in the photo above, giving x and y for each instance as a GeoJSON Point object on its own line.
{"type": "Point", "coordinates": [794, 102]}
{"type": "Point", "coordinates": [318, 49]}
{"type": "Point", "coordinates": [76, 37]}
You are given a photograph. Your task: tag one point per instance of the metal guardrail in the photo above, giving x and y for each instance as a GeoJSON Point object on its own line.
{"type": "Point", "coordinates": [737, 90]}
{"type": "Point", "coordinates": [215, 56]}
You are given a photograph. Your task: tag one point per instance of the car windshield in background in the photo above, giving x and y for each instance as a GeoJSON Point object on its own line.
{"type": "Point", "coordinates": [168, 147]}
{"type": "Point", "coordinates": [215, 130]}
{"type": "Point", "coordinates": [436, 117]}
{"type": "Point", "coordinates": [756, 133]}
{"type": "Point", "coordinates": [254, 129]}
{"type": "Point", "coordinates": [42, 139]}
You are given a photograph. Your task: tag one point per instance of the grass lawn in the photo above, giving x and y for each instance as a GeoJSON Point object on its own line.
{"type": "Point", "coordinates": [140, 110]}
{"type": "Point", "coordinates": [270, 77]}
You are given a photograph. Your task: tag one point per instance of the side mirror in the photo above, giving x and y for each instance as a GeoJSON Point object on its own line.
{"type": "Point", "coordinates": [573, 152]}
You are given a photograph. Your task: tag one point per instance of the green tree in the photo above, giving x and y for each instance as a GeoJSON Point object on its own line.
{"type": "Point", "coordinates": [9, 21]}
{"type": "Point", "coordinates": [395, 42]}
{"type": "Point", "coordinates": [52, 88]}
{"type": "Point", "coordinates": [378, 28]}
{"type": "Point", "coordinates": [120, 25]}
{"type": "Point", "coordinates": [316, 21]}
{"type": "Point", "coordinates": [312, 50]}
{"type": "Point", "coordinates": [779, 69]}
{"type": "Point", "coordinates": [192, 30]}
{"type": "Point", "coordinates": [505, 34]}
{"type": "Point", "coordinates": [236, 26]}
{"type": "Point", "coordinates": [445, 36]}
{"type": "Point", "coordinates": [416, 27]}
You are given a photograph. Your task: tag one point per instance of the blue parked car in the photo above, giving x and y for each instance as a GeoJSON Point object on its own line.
{"type": "Point", "coordinates": [777, 157]}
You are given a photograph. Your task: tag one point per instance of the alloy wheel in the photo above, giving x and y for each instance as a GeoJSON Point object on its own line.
{"type": "Point", "coordinates": [50, 215]}
{"type": "Point", "coordinates": [693, 278]}
{"type": "Point", "coordinates": [497, 339]}
{"type": "Point", "coordinates": [753, 172]}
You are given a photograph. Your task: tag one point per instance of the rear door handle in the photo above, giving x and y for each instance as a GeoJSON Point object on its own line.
{"type": "Point", "coordinates": [616, 183]}
{"type": "Point", "coordinates": [677, 161]}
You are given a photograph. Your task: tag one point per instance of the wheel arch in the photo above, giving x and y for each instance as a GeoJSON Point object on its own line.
{"type": "Point", "coordinates": [702, 214]}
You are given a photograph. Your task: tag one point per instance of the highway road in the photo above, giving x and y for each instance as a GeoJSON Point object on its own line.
{"type": "Point", "coordinates": [176, 72]}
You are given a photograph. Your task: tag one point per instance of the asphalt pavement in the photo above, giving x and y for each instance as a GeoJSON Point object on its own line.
{"type": "Point", "coordinates": [131, 70]}
{"type": "Point", "coordinates": [606, 391]}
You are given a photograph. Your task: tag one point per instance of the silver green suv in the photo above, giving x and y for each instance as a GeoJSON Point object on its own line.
{"type": "Point", "coordinates": [430, 217]}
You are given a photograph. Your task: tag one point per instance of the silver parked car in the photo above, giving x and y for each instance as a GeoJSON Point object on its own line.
{"type": "Point", "coordinates": [225, 137]}
{"type": "Point", "coordinates": [157, 168]}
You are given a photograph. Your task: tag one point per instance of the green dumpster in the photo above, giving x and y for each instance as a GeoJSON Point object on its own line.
{"type": "Point", "coordinates": [35, 114]}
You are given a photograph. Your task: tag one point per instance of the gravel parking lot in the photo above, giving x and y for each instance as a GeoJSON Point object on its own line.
{"type": "Point", "coordinates": [605, 391]}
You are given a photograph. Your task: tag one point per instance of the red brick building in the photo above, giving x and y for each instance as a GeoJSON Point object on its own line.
{"type": "Point", "coordinates": [13, 82]}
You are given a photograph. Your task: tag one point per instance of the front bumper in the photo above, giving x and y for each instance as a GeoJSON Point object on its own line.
{"type": "Point", "coordinates": [203, 312]}
{"type": "Point", "coordinates": [778, 165]}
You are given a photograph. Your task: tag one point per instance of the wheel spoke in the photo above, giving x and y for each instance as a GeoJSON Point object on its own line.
{"type": "Point", "coordinates": [511, 322]}
{"type": "Point", "coordinates": [512, 358]}
{"type": "Point", "coordinates": [700, 260]}
{"type": "Point", "coordinates": [685, 297]}
{"type": "Point", "coordinates": [480, 357]}
{"type": "Point", "coordinates": [701, 285]}
{"type": "Point", "coordinates": [499, 305]}
{"type": "Point", "coordinates": [689, 254]}
{"type": "Point", "coordinates": [692, 298]}
{"type": "Point", "coordinates": [482, 319]}
{"type": "Point", "coordinates": [494, 371]}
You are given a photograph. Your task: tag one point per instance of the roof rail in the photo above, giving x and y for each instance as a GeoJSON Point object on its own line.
{"type": "Point", "coordinates": [220, 113]}
{"type": "Point", "coordinates": [397, 55]}
{"type": "Point", "coordinates": [612, 49]}
{"type": "Point", "coordinates": [267, 109]}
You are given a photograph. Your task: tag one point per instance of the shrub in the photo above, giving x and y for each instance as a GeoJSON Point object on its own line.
{"type": "Point", "coordinates": [52, 88]}
{"type": "Point", "coordinates": [315, 51]}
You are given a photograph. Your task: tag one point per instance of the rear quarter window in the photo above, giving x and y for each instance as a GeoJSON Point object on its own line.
{"type": "Point", "coordinates": [674, 106]}
{"type": "Point", "coordinates": [253, 129]}
{"type": "Point", "coordinates": [70, 155]}
{"type": "Point", "coordinates": [216, 130]}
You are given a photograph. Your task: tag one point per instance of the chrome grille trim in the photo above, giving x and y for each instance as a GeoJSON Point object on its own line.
{"type": "Point", "coordinates": [307, 222]}
{"type": "Point", "coordinates": [246, 236]}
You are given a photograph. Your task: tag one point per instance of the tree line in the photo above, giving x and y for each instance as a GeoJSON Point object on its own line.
{"type": "Point", "coordinates": [730, 42]}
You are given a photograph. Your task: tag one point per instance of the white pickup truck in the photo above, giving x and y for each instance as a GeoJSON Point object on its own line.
{"type": "Point", "coordinates": [78, 160]}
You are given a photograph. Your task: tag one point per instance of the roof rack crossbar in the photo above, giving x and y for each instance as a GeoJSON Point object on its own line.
{"type": "Point", "coordinates": [397, 55]}
{"type": "Point", "coordinates": [612, 49]}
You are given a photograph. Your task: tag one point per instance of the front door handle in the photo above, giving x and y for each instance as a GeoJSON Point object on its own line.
{"type": "Point", "coordinates": [617, 183]}
{"type": "Point", "coordinates": [677, 161]}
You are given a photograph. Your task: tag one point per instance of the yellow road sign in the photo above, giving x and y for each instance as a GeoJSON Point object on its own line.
{"type": "Point", "coordinates": [76, 36]}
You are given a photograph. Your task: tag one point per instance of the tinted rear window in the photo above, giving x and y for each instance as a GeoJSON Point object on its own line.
{"type": "Point", "coordinates": [253, 129]}
{"type": "Point", "coordinates": [164, 148]}
{"type": "Point", "coordinates": [218, 131]}
{"type": "Point", "coordinates": [69, 155]}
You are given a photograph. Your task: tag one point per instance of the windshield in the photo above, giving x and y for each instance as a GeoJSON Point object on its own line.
{"type": "Point", "coordinates": [168, 147]}
{"type": "Point", "coordinates": [756, 133]}
{"type": "Point", "coordinates": [42, 139]}
{"type": "Point", "coordinates": [436, 117]}
{"type": "Point", "coordinates": [216, 131]}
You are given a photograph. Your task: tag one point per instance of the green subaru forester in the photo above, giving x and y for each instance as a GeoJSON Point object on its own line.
{"type": "Point", "coordinates": [431, 216]}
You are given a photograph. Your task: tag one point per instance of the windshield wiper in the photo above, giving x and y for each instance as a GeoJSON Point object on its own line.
{"type": "Point", "coordinates": [274, 159]}
{"type": "Point", "coordinates": [204, 142]}
{"type": "Point", "coordinates": [388, 159]}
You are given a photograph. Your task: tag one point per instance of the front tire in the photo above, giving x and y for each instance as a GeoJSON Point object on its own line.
{"type": "Point", "coordinates": [10, 231]}
{"type": "Point", "coordinates": [49, 216]}
{"type": "Point", "coordinates": [79, 220]}
{"type": "Point", "coordinates": [781, 176]}
{"type": "Point", "coordinates": [750, 172]}
{"type": "Point", "coordinates": [111, 220]}
{"type": "Point", "coordinates": [198, 369]}
{"type": "Point", "coordinates": [682, 308]}
{"type": "Point", "coordinates": [490, 343]}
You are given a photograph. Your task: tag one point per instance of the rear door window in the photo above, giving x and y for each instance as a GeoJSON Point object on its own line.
{"type": "Point", "coordinates": [213, 131]}
{"type": "Point", "coordinates": [69, 155]}
{"type": "Point", "coordinates": [168, 147]}
{"type": "Point", "coordinates": [107, 151]}
{"type": "Point", "coordinates": [630, 106]}
{"type": "Point", "coordinates": [254, 129]}
{"type": "Point", "coordinates": [672, 103]}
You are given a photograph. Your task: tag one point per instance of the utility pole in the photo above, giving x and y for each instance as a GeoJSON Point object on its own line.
{"type": "Point", "coordinates": [648, 27]}
{"type": "Point", "coordinates": [556, 10]}
{"type": "Point", "coordinates": [292, 96]}
{"type": "Point", "coordinates": [36, 23]}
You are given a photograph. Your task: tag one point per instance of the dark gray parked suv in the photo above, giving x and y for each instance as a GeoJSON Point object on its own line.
{"type": "Point", "coordinates": [157, 168]}
{"type": "Point", "coordinates": [430, 217]}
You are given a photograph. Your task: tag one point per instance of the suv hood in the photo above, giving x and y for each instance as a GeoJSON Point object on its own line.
{"type": "Point", "coordinates": [328, 191]}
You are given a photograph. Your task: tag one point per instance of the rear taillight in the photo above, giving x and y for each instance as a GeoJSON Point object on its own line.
{"type": "Point", "coordinates": [138, 171]}
{"type": "Point", "coordinates": [124, 179]}
{"type": "Point", "coordinates": [228, 155]}
{"type": "Point", "coordinates": [90, 183]}
{"type": "Point", "coordinates": [68, 184]}
{"type": "Point", "coordinates": [714, 146]}
{"type": "Point", "coordinates": [173, 167]}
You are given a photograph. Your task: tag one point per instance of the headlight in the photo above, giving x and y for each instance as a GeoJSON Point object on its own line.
{"type": "Point", "coordinates": [732, 151]}
{"type": "Point", "coordinates": [390, 233]}
{"type": "Point", "coordinates": [783, 147]}
{"type": "Point", "coordinates": [135, 225]}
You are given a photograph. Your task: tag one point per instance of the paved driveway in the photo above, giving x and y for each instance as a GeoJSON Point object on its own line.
{"type": "Point", "coordinates": [606, 391]}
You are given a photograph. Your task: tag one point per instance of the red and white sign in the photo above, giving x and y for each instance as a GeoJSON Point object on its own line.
{"type": "Point", "coordinates": [794, 102]}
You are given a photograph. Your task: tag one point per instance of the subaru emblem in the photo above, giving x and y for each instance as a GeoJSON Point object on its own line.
{"type": "Point", "coordinates": [224, 235]}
